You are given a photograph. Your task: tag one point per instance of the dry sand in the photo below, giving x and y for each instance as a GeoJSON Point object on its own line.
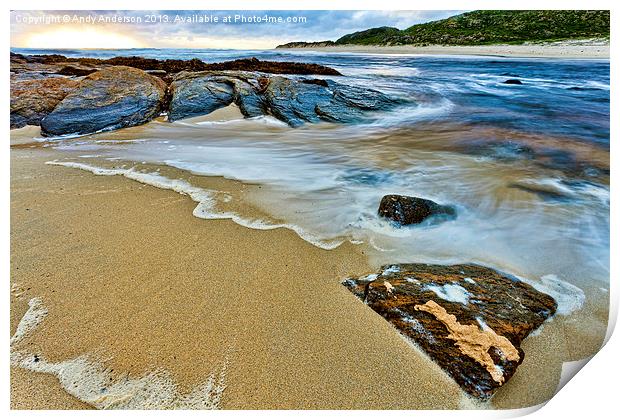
{"type": "Point", "coordinates": [553, 50]}
{"type": "Point", "coordinates": [131, 278]}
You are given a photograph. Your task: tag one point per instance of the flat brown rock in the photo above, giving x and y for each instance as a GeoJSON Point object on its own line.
{"type": "Point", "coordinates": [32, 100]}
{"type": "Point", "coordinates": [469, 319]}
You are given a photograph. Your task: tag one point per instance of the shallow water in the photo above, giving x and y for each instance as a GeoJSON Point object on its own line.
{"type": "Point", "coordinates": [527, 166]}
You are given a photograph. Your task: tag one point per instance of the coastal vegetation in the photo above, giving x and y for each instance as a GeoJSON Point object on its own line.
{"type": "Point", "coordinates": [483, 27]}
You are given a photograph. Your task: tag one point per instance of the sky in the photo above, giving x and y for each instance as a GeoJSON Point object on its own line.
{"type": "Point", "coordinates": [243, 29]}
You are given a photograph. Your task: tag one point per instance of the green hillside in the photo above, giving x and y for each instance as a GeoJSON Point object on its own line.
{"type": "Point", "coordinates": [484, 27]}
{"type": "Point", "coordinates": [492, 27]}
{"type": "Point", "coordinates": [370, 36]}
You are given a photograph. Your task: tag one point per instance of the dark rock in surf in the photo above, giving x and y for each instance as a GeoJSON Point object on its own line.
{"type": "Point", "coordinates": [513, 82]}
{"type": "Point", "coordinates": [405, 210]}
{"type": "Point", "coordinates": [32, 100]}
{"type": "Point", "coordinates": [112, 98]}
{"type": "Point", "coordinates": [297, 102]}
{"type": "Point", "coordinates": [469, 319]}
{"type": "Point", "coordinates": [75, 71]}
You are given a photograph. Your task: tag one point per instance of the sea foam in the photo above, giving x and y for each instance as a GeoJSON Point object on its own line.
{"type": "Point", "coordinates": [90, 382]}
{"type": "Point", "coordinates": [569, 298]}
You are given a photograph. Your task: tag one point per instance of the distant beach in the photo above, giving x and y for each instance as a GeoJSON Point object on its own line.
{"type": "Point", "coordinates": [566, 49]}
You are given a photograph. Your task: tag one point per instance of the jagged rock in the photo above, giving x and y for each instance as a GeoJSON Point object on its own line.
{"type": "Point", "coordinates": [199, 94]}
{"type": "Point", "coordinates": [299, 101]}
{"type": "Point", "coordinates": [247, 95]}
{"type": "Point", "coordinates": [31, 100]}
{"type": "Point", "coordinates": [469, 319]}
{"type": "Point", "coordinates": [513, 82]}
{"type": "Point", "coordinates": [111, 98]}
{"type": "Point", "coordinates": [349, 103]}
{"type": "Point", "coordinates": [405, 210]}
{"type": "Point", "coordinates": [294, 101]}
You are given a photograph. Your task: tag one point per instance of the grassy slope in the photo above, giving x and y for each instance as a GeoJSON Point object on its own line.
{"type": "Point", "coordinates": [491, 27]}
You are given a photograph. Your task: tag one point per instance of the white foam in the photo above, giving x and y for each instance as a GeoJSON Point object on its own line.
{"type": "Point", "coordinates": [205, 199]}
{"type": "Point", "coordinates": [483, 325]}
{"type": "Point", "coordinates": [390, 270]}
{"type": "Point", "coordinates": [415, 113]}
{"type": "Point", "coordinates": [384, 71]}
{"type": "Point", "coordinates": [451, 292]}
{"type": "Point", "coordinates": [569, 298]}
{"type": "Point", "coordinates": [90, 382]}
{"type": "Point", "coordinates": [370, 277]}
{"type": "Point", "coordinates": [31, 319]}
{"type": "Point", "coordinates": [597, 85]}
{"type": "Point", "coordinates": [599, 192]}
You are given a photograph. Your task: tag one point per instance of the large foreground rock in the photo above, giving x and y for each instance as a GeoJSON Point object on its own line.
{"type": "Point", "coordinates": [111, 98]}
{"type": "Point", "coordinates": [293, 100]}
{"type": "Point", "coordinates": [405, 210]}
{"type": "Point", "coordinates": [469, 319]}
{"type": "Point", "coordinates": [31, 100]}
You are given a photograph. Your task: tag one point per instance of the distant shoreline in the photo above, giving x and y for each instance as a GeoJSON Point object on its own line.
{"type": "Point", "coordinates": [554, 50]}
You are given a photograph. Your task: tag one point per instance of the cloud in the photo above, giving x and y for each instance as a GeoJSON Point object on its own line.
{"type": "Point", "coordinates": [215, 29]}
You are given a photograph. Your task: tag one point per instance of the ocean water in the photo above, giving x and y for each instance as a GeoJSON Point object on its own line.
{"type": "Point", "coordinates": [526, 166]}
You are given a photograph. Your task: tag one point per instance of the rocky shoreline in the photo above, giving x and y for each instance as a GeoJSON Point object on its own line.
{"type": "Point", "coordinates": [77, 96]}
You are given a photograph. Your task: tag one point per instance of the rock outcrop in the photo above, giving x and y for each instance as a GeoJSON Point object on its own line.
{"type": "Point", "coordinates": [86, 95]}
{"type": "Point", "coordinates": [294, 101]}
{"type": "Point", "coordinates": [111, 98]}
{"type": "Point", "coordinates": [405, 210]}
{"type": "Point", "coordinates": [469, 319]}
{"type": "Point", "coordinates": [33, 99]}
{"type": "Point", "coordinates": [175, 66]}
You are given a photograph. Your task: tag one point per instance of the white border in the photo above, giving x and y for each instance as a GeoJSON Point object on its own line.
{"type": "Point", "coordinates": [591, 394]}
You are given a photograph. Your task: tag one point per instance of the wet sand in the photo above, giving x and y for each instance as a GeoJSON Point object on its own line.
{"type": "Point", "coordinates": [552, 50]}
{"type": "Point", "coordinates": [131, 278]}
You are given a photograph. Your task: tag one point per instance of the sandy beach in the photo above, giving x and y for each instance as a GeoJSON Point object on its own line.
{"type": "Point", "coordinates": [133, 281]}
{"type": "Point", "coordinates": [552, 50]}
